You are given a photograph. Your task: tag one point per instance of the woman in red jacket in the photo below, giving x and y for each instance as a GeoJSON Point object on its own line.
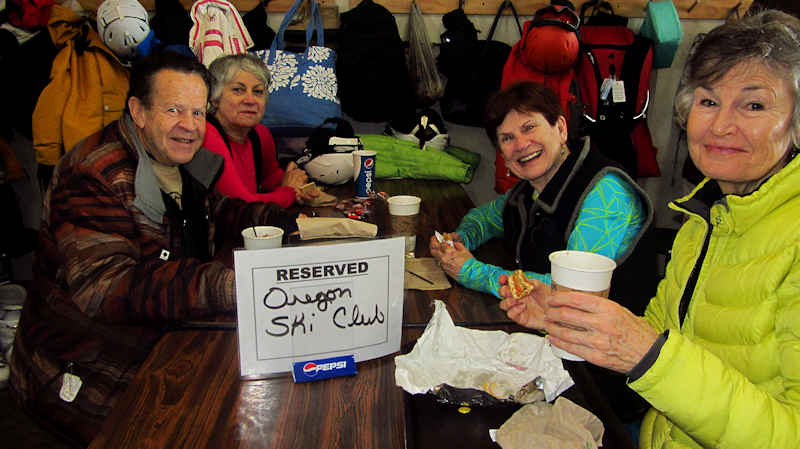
{"type": "Point", "coordinates": [233, 130]}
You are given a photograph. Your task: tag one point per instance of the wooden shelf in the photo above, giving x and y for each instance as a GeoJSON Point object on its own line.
{"type": "Point", "coordinates": [703, 9]}
{"type": "Point", "coordinates": [277, 6]}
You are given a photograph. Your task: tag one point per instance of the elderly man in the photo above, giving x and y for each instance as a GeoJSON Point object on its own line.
{"type": "Point", "coordinates": [126, 249]}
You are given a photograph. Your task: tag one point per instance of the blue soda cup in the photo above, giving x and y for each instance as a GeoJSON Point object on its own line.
{"type": "Point", "coordinates": [364, 173]}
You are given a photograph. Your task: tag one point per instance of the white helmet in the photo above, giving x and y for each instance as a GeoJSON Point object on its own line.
{"type": "Point", "coordinates": [328, 155]}
{"type": "Point", "coordinates": [331, 168]}
{"type": "Point", "coordinates": [122, 25]}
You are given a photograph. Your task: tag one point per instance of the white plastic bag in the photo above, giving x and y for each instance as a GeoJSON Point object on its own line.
{"type": "Point", "coordinates": [421, 62]}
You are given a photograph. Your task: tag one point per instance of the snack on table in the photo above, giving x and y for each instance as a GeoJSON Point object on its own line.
{"type": "Point", "coordinates": [447, 237]}
{"type": "Point", "coordinates": [519, 284]}
{"type": "Point", "coordinates": [309, 186]}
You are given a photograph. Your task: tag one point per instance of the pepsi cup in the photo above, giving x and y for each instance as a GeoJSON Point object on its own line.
{"type": "Point", "coordinates": [364, 173]}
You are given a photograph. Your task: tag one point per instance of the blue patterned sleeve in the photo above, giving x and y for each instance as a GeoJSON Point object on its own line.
{"type": "Point", "coordinates": [611, 216]}
{"type": "Point", "coordinates": [482, 223]}
{"type": "Point", "coordinates": [483, 277]}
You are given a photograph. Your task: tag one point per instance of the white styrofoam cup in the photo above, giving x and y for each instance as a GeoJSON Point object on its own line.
{"type": "Point", "coordinates": [265, 237]}
{"type": "Point", "coordinates": [581, 270]}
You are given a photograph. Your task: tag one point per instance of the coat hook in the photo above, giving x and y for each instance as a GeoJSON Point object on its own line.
{"type": "Point", "coordinates": [733, 10]}
{"type": "Point", "coordinates": [693, 5]}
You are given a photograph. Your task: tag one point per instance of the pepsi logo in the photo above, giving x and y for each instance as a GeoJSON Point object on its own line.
{"type": "Point", "coordinates": [310, 369]}
{"type": "Point", "coordinates": [369, 163]}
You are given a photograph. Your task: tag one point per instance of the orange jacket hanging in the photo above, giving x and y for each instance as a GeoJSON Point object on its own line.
{"type": "Point", "coordinates": [87, 89]}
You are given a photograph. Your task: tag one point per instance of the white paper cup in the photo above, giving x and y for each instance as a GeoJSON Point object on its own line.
{"type": "Point", "coordinates": [265, 237]}
{"type": "Point", "coordinates": [404, 219]}
{"type": "Point", "coordinates": [581, 271]}
{"type": "Point", "coordinates": [404, 205]}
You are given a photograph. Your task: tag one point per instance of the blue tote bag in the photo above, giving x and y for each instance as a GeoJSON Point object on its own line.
{"type": "Point", "coordinates": [303, 89]}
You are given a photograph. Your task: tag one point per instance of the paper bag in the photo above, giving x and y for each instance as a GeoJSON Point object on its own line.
{"type": "Point", "coordinates": [562, 425]}
{"type": "Point", "coordinates": [322, 227]}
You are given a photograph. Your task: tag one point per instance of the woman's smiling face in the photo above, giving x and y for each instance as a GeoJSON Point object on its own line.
{"type": "Point", "coordinates": [531, 146]}
{"type": "Point", "coordinates": [738, 127]}
{"type": "Point", "coordinates": [242, 103]}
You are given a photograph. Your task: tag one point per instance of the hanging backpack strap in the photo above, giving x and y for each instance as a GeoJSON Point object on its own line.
{"type": "Point", "coordinates": [503, 6]}
{"type": "Point", "coordinates": [255, 144]}
{"type": "Point", "coordinates": [214, 122]}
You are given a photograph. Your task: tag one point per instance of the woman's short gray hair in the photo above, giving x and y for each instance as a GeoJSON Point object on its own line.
{"type": "Point", "coordinates": [769, 37]}
{"type": "Point", "coordinates": [224, 68]}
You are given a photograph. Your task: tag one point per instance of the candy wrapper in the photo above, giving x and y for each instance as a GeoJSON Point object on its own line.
{"type": "Point", "coordinates": [480, 367]}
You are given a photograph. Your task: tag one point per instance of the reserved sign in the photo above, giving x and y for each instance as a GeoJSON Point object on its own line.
{"type": "Point", "coordinates": [312, 302]}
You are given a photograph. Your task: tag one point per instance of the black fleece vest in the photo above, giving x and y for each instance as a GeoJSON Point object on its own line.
{"type": "Point", "coordinates": [534, 229]}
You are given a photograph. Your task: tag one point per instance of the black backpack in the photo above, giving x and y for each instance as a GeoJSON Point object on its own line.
{"type": "Point", "coordinates": [473, 67]}
{"type": "Point", "coordinates": [371, 68]}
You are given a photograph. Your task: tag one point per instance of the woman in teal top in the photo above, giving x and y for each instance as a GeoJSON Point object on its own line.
{"type": "Point", "coordinates": [569, 198]}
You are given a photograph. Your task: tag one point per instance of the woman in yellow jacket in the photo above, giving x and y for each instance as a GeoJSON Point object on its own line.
{"type": "Point", "coordinates": [717, 353]}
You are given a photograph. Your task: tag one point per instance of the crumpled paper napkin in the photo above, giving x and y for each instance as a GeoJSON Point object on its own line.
{"type": "Point", "coordinates": [562, 425]}
{"type": "Point", "coordinates": [326, 227]}
{"type": "Point", "coordinates": [499, 363]}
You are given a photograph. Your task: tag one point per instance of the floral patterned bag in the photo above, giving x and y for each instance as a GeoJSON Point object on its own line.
{"type": "Point", "coordinates": [304, 86]}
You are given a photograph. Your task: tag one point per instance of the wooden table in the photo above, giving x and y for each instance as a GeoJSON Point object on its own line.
{"type": "Point", "coordinates": [188, 393]}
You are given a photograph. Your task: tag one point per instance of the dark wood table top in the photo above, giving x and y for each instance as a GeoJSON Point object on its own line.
{"type": "Point", "coordinates": [189, 394]}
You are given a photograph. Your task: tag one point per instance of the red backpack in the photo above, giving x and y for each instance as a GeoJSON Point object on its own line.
{"type": "Point", "coordinates": [29, 14]}
{"type": "Point", "coordinates": [546, 53]}
{"type": "Point", "coordinates": [614, 84]}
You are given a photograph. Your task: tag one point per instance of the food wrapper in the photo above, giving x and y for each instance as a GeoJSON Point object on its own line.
{"type": "Point", "coordinates": [505, 367]}
{"type": "Point", "coordinates": [325, 228]}
{"type": "Point", "coordinates": [562, 425]}
{"type": "Point", "coordinates": [322, 199]}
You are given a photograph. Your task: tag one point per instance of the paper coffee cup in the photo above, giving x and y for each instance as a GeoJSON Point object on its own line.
{"type": "Point", "coordinates": [404, 205]}
{"type": "Point", "coordinates": [262, 237]}
{"type": "Point", "coordinates": [581, 271]}
{"type": "Point", "coordinates": [404, 219]}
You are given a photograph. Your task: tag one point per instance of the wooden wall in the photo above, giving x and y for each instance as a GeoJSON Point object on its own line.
{"type": "Point", "coordinates": [687, 9]}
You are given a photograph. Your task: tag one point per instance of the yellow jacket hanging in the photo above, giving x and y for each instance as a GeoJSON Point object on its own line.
{"type": "Point", "coordinates": [87, 89]}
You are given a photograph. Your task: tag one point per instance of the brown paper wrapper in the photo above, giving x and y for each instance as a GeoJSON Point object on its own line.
{"type": "Point", "coordinates": [427, 268]}
{"type": "Point", "coordinates": [326, 228]}
{"type": "Point", "coordinates": [324, 199]}
{"type": "Point", "coordinates": [562, 425]}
